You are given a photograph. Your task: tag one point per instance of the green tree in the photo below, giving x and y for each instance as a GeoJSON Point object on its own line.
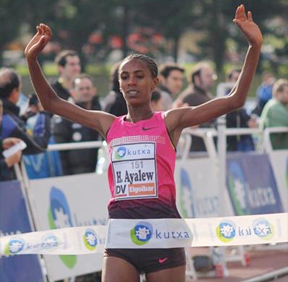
{"type": "Point", "coordinates": [216, 23]}
{"type": "Point", "coordinates": [73, 22]}
{"type": "Point", "coordinates": [11, 18]}
{"type": "Point", "coordinates": [170, 18]}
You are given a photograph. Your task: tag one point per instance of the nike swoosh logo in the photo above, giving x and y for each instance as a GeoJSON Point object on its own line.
{"type": "Point", "coordinates": [148, 128]}
{"type": "Point", "coordinates": [162, 260]}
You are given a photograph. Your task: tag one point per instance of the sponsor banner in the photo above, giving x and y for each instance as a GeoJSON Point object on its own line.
{"type": "Point", "coordinates": [198, 188]}
{"type": "Point", "coordinates": [154, 233]}
{"type": "Point", "coordinates": [279, 161]}
{"type": "Point", "coordinates": [251, 184]}
{"type": "Point", "coordinates": [198, 232]}
{"type": "Point", "coordinates": [69, 201]}
{"type": "Point", "coordinates": [151, 233]}
{"type": "Point", "coordinates": [43, 165]}
{"type": "Point", "coordinates": [14, 220]}
{"type": "Point", "coordinates": [76, 241]}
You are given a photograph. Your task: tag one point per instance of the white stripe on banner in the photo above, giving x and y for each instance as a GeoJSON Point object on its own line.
{"type": "Point", "coordinates": [151, 233]}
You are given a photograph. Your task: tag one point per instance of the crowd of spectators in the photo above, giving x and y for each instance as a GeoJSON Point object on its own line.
{"type": "Point", "coordinates": [23, 117]}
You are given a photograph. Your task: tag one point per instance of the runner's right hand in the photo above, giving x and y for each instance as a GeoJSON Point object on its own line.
{"type": "Point", "coordinates": [38, 42]}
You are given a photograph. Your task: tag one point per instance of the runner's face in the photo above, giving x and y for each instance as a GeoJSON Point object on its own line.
{"type": "Point", "coordinates": [136, 82]}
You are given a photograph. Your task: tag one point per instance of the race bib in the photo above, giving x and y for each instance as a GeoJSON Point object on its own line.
{"type": "Point", "coordinates": [134, 171]}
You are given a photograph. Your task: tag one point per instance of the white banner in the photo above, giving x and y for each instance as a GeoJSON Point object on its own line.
{"type": "Point", "coordinates": [64, 241]}
{"type": "Point", "coordinates": [70, 201]}
{"type": "Point", "coordinates": [198, 232]}
{"type": "Point", "coordinates": [152, 233]}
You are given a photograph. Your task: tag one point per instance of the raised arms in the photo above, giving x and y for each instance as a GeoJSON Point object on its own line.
{"type": "Point", "coordinates": [97, 120]}
{"type": "Point", "coordinates": [178, 119]}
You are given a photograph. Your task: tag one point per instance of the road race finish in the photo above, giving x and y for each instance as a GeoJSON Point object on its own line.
{"type": "Point", "coordinates": [152, 233]}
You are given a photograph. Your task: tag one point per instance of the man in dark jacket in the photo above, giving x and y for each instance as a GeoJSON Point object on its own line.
{"type": "Point", "coordinates": [239, 119]}
{"type": "Point", "coordinates": [171, 78]}
{"type": "Point", "coordinates": [198, 92]}
{"type": "Point", "coordinates": [65, 131]}
{"type": "Point", "coordinates": [68, 63]}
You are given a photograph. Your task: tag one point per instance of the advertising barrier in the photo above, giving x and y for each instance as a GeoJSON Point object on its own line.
{"type": "Point", "coordinates": [14, 220]}
{"type": "Point", "coordinates": [255, 184]}
{"type": "Point", "coordinates": [279, 161]}
{"type": "Point", "coordinates": [70, 201]}
{"type": "Point", "coordinates": [197, 188]}
{"type": "Point", "coordinates": [251, 184]}
{"type": "Point", "coordinates": [154, 233]}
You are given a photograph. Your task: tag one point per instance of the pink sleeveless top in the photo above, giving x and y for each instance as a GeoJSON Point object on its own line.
{"type": "Point", "coordinates": [141, 170]}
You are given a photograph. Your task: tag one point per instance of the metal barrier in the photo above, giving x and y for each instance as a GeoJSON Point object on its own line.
{"type": "Point", "coordinates": [266, 136]}
{"type": "Point", "coordinates": [74, 146]}
{"type": "Point", "coordinates": [217, 155]}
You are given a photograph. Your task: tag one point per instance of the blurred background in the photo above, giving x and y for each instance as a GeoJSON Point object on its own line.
{"type": "Point", "coordinates": [103, 32]}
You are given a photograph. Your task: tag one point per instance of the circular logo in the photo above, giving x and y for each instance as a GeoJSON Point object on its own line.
{"type": "Point", "coordinates": [263, 228]}
{"type": "Point", "coordinates": [141, 233]}
{"type": "Point", "coordinates": [49, 241]}
{"type": "Point", "coordinates": [120, 153]}
{"type": "Point", "coordinates": [236, 183]}
{"type": "Point", "coordinates": [226, 231]}
{"type": "Point", "coordinates": [90, 239]}
{"type": "Point", "coordinates": [14, 246]}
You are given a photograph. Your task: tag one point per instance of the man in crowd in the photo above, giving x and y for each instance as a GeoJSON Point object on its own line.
{"type": "Point", "coordinates": [264, 92]}
{"type": "Point", "coordinates": [198, 92]}
{"type": "Point", "coordinates": [69, 67]}
{"type": "Point", "coordinates": [65, 131]}
{"type": "Point", "coordinates": [171, 78]}
{"type": "Point", "coordinates": [239, 119]}
{"type": "Point", "coordinates": [275, 114]}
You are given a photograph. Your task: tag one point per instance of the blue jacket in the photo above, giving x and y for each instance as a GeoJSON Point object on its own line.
{"type": "Point", "coordinates": [14, 126]}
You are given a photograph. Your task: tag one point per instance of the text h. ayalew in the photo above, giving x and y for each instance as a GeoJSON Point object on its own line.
{"type": "Point", "coordinates": [134, 176]}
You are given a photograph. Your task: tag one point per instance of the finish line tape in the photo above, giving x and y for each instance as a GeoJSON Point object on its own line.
{"type": "Point", "coordinates": [151, 233]}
